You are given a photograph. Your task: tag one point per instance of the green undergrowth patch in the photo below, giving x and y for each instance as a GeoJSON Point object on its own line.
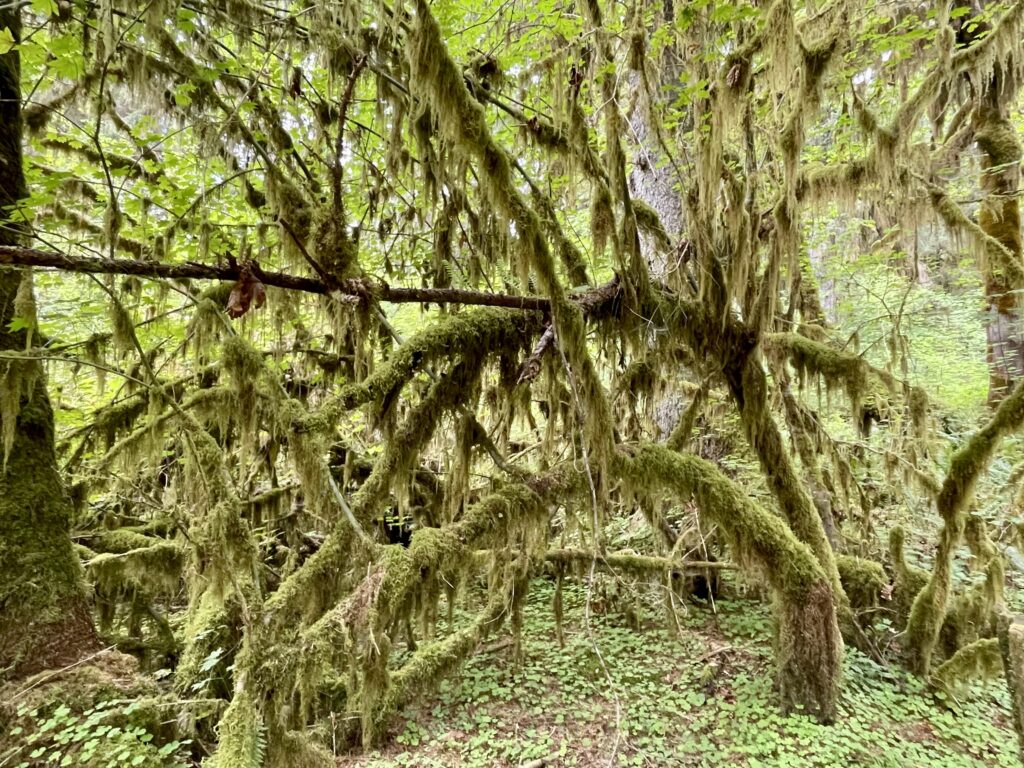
{"type": "Point", "coordinates": [699, 695]}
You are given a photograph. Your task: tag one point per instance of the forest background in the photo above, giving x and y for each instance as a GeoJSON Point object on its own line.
{"type": "Point", "coordinates": [664, 353]}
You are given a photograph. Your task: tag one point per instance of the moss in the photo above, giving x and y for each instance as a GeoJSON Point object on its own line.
{"type": "Point", "coordinates": [438, 82]}
{"type": "Point", "coordinates": [402, 576]}
{"type": "Point", "coordinates": [428, 666]}
{"type": "Point", "coordinates": [863, 580]}
{"type": "Point", "coordinates": [485, 330]}
{"type": "Point", "coordinates": [648, 221]}
{"type": "Point", "coordinates": [909, 580]}
{"type": "Point", "coordinates": [152, 569]}
{"type": "Point", "coordinates": [602, 219]}
{"type": "Point", "coordinates": [212, 629]}
{"type": "Point", "coordinates": [313, 586]}
{"type": "Point", "coordinates": [43, 617]}
{"type": "Point", "coordinates": [834, 367]}
{"type": "Point", "coordinates": [966, 620]}
{"type": "Point", "coordinates": [966, 465]}
{"type": "Point", "coordinates": [979, 660]}
{"type": "Point", "coordinates": [1011, 648]}
{"type": "Point", "coordinates": [809, 643]}
{"type": "Point", "coordinates": [240, 733]}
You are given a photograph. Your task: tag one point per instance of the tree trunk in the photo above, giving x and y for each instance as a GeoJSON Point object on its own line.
{"type": "Point", "coordinates": [999, 217]}
{"type": "Point", "coordinates": [44, 619]}
{"type": "Point", "coordinates": [1011, 646]}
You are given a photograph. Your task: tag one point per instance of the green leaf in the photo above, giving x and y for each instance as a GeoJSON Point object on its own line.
{"type": "Point", "coordinates": [6, 40]}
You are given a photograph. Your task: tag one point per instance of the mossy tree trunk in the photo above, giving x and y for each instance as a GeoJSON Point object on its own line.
{"type": "Point", "coordinates": [999, 217]}
{"type": "Point", "coordinates": [44, 619]}
{"type": "Point", "coordinates": [1011, 646]}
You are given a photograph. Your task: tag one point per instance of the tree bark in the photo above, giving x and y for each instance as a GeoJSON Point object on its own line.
{"type": "Point", "coordinates": [44, 618]}
{"type": "Point", "coordinates": [999, 217]}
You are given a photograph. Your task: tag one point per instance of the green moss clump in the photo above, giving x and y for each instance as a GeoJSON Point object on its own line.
{"type": "Point", "coordinates": [979, 660]}
{"type": "Point", "coordinates": [863, 580]}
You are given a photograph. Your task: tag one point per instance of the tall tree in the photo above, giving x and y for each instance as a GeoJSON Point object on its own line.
{"type": "Point", "coordinates": [44, 617]}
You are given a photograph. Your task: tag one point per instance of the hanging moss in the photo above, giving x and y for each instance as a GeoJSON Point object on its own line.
{"type": "Point", "coordinates": [809, 642]}
{"type": "Point", "coordinates": [389, 591]}
{"type": "Point", "coordinates": [979, 660]}
{"type": "Point", "coordinates": [834, 367]}
{"type": "Point", "coordinates": [240, 742]}
{"type": "Point", "coordinates": [485, 330]}
{"type": "Point", "coordinates": [649, 223]}
{"type": "Point", "coordinates": [429, 665]}
{"type": "Point", "coordinates": [152, 569]}
{"type": "Point", "coordinates": [967, 464]}
{"type": "Point", "coordinates": [438, 82]}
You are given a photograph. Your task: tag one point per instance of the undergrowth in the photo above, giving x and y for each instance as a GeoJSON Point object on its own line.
{"type": "Point", "coordinates": [701, 696]}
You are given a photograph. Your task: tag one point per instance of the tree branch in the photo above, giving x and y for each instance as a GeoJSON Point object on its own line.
{"type": "Point", "coordinates": [15, 256]}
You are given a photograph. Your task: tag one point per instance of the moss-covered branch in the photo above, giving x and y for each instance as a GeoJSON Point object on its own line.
{"type": "Point", "coordinates": [439, 83]}
{"type": "Point", "coordinates": [966, 466]}
{"type": "Point", "coordinates": [810, 645]}
{"type": "Point", "coordinates": [374, 606]}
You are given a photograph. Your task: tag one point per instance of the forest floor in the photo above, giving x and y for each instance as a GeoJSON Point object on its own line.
{"type": "Point", "coordinates": [702, 696]}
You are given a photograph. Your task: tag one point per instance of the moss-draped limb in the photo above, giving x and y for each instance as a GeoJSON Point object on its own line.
{"type": "Point", "coordinates": [151, 569]}
{"type": "Point", "coordinates": [978, 660]}
{"type": "Point", "coordinates": [481, 329]}
{"type": "Point", "coordinates": [967, 464]}
{"type": "Point", "coordinates": [735, 349]}
{"type": "Point", "coordinates": [987, 52]}
{"type": "Point", "coordinates": [431, 663]}
{"type": "Point", "coordinates": [318, 576]}
{"type": "Point", "coordinates": [630, 562]}
{"type": "Point", "coordinates": [138, 437]}
{"type": "Point", "coordinates": [833, 366]}
{"type": "Point", "coordinates": [438, 81]}
{"type": "Point", "coordinates": [809, 643]}
{"type": "Point", "coordinates": [996, 257]}
{"type": "Point", "coordinates": [371, 610]}
{"type": "Point", "coordinates": [749, 386]}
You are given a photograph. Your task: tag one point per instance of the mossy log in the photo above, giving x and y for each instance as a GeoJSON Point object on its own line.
{"type": "Point", "coordinates": [809, 642]}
